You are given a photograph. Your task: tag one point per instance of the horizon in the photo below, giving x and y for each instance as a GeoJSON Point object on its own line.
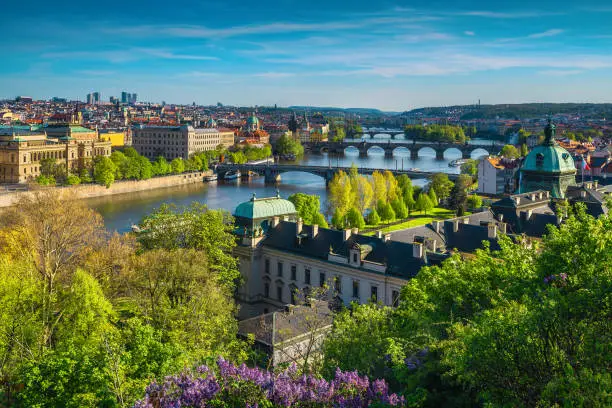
{"type": "Point", "coordinates": [389, 56]}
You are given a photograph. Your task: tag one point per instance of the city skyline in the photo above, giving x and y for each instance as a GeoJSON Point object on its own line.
{"type": "Point", "coordinates": [388, 55]}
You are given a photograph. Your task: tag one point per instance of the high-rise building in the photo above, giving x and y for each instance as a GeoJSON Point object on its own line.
{"type": "Point", "coordinates": [96, 98]}
{"type": "Point", "coordinates": [133, 98]}
{"type": "Point", "coordinates": [124, 97]}
{"type": "Point", "coordinates": [89, 99]}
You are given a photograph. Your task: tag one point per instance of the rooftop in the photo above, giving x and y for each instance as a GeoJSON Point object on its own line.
{"type": "Point", "coordinates": [265, 207]}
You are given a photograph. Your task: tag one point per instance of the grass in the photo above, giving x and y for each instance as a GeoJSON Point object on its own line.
{"type": "Point", "coordinates": [415, 220]}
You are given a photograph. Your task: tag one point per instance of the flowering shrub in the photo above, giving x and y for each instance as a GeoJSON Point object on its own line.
{"type": "Point", "coordinates": [233, 386]}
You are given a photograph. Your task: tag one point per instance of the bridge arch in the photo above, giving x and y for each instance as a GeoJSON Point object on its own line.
{"type": "Point", "coordinates": [478, 153]}
{"type": "Point", "coordinates": [426, 151]}
{"type": "Point", "coordinates": [351, 150]}
{"type": "Point", "coordinates": [401, 151]}
{"type": "Point", "coordinates": [453, 153]}
{"type": "Point", "coordinates": [375, 150]}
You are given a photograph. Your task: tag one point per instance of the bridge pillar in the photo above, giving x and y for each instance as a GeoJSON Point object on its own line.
{"type": "Point", "coordinates": [388, 152]}
{"type": "Point", "coordinates": [466, 154]}
{"type": "Point", "coordinates": [363, 152]}
{"type": "Point", "coordinates": [414, 154]}
{"type": "Point", "coordinates": [439, 154]}
{"type": "Point", "coordinates": [271, 177]}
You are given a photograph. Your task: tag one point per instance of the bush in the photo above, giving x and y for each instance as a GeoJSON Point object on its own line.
{"type": "Point", "coordinates": [73, 180]}
{"type": "Point", "coordinates": [474, 201]}
{"type": "Point", "coordinates": [45, 180]}
{"type": "Point", "coordinates": [373, 218]}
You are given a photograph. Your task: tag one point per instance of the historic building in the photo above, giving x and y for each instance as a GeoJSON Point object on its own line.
{"type": "Point", "coordinates": [252, 132]}
{"type": "Point", "coordinates": [177, 141]}
{"type": "Point", "coordinates": [279, 257]}
{"type": "Point", "coordinates": [548, 167]}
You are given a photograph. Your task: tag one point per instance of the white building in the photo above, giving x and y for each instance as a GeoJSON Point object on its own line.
{"type": "Point", "coordinates": [496, 175]}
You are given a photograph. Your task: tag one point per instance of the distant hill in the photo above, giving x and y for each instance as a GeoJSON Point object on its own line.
{"type": "Point", "coordinates": [358, 111]}
{"type": "Point", "coordinates": [517, 111]}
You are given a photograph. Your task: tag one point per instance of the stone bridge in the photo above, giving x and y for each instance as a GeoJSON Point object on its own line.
{"type": "Point", "coordinates": [272, 172]}
{"type": "Point", "coordinates": [388, 147]}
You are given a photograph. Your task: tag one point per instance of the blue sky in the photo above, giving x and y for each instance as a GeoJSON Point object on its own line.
{"type": "Point", "coordinates": [381, 54]}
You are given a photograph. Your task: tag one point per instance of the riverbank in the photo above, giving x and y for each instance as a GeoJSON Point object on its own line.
{"type": "Point", "coordinates": [119, 187]}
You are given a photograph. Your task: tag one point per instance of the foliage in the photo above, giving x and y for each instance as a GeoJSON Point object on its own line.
{"type": "Point", "coordinates": [234, 386]}
{"type": "Point", "coordinates": [341, 196]}
{"type": "Point", "coordinates": [319, 219]}
{"type": "Point", "coordinates": [161, 167]}
{"type": "Point", "coordinates": [470, 167]}
{"type": "Point", "coordinates": [509, 152]}
{"type": "Point", "coordinates": [289, 145]}
{"type": "Point", "coordinates": [424, 203]}
{"type": "Point", "coordinates": [527, 325]}
{"type": "Point", "coordinates": [45, 180]}
{"type": "Point", "coordinates": [401, 212]}
{"type": "Point", "coordinates": [474, 201]}
{"type": "Point", "coordinates": [435, 133]}
{"type": "Point", "coordinates": [458, 195]}
{"type": "Point", "coordinates": [73, 180]}
{"type": "Point", "coordinates": [338, 219]}
{"type": "Point", "coordinates": [104, 170]}
{"type": "Point", "coordinates": [373, 218]}
{"type": "Point", "coordinates": [441, 184]}
{"type": "Point", "coordinates": [386, 212]}
{"type": "Point", "coordinates": [307, 206]}
{"type": "Point", "coordinates": [433, 197]}
{"type": "Point", "coordinates": [178, 165]}
{"type": "Point", "coordinates": [524, 150]}
{"type": "Point", "coordinates": [354, 219]}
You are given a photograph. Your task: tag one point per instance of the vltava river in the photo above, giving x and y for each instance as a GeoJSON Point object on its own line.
{"type": "Point", "coordinates": [121, 211]}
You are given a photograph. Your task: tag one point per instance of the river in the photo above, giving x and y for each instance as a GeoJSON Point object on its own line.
{"type": "Point", "coordinates": [121, 211]}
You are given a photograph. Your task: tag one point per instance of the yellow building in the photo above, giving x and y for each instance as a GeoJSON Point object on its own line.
{"type": "Point", "coordinates": [117, 138]}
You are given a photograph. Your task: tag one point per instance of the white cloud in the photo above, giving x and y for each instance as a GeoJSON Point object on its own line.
{"type": "Point", "coordinates": [561, 72]}
{"type": "Point", "coordinates": [470, 33]}
{"type": "Point", "coordinates": [548, 33]}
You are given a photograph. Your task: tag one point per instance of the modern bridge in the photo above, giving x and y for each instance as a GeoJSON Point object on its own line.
{"type": "Point", "coordinates": [388, 146]}
{"type": "Point", "coordinates": [272, 172]}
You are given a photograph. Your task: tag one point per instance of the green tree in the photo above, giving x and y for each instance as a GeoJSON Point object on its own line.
{"type": "Point", "coordinates": [470, 167]}
{"type": "Point", "coordinates": [385, 211]}
{"type": "Point", "coordinates": [73, 180]}
{"type": "Point", "coordinates": [340, 193]}
{"type": "Point", "coordinates": [354, 219]}
{"type": "Point", "coordinates": [423, 203]}
{"type": "Point", "coordinates": [524, 150]}
{"type": "Point", "coordinates": [432, 196]}
{"type": "Point", "coordinates": [178, 165]}
{"type": "Point", "coordinates": [319, 219]}
{"type": "Point", "coordinates": [509, 152]}
{"type": "Point", "coordinates": [45, 180]}
{"type": "Point", "coordinates": [104, 170]}
{"type": "Point", "coordinates": [459, 195]}
{"type": "Point", "coordinates": [401, 212]}
{"type": "Point", "coordinates": [474, 201]}
{"type": "Point", "coordinates": [373, 218]}
{"type": "Point", "coordinates": [338, 219]}
{"type": "Point", "coordinates": [288, 145]}
{"type": "Point", "coordinates": [441, 184]}
{"type": "Point", "coordinates": [307, 206]}
{"type": "Point", "coordinates": [379, 187]}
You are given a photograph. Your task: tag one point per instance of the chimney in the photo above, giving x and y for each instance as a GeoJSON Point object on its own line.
{"type": "Point", "coordinates": [466, 220]}
{"type": "Point", "coordinates": [275, 221]}
{"type": "Point", "coordinates": [434, 245]}
{"type": "Point", "coordinates": [387, 237]}
{"type": "Point", "coordinates": [582, 193]}
{"type": "Point", "coordinates": [595, 185]}
{"type": "Point", "coordinates": [355, 231]}
{"type": "Point", "coordinates": [502, 227]}
{"type": "Point", "coordinates": [532, 196]}
{"type": "Point", "coordinates": [285, 218]}
{"type": "Point", "coordinates": [298, 226]}
{"type": "Point", "coordinates": [492, 230]}
{"type": "Point", "coordinates": [436, 226]}
{"type": "Point", "coordinates": [379, 234]}
{"type": "Point", "coordinates": [516, 199]}
{"type": "Point", "coordinates": [547, 193]}
{"type": "Point", "coordinates": [500, 217]}
{"type": "Point", "coordinates": [417, 250]}
{"type": "Point", "coordinates": [346, 234]}
{"type": "Point", "coordinates": [529, 212]}
{"type": "Point", "coordinates": [455, 225]}
{"type": "Point", "coordinates": [315, 230]}
{"type": "Point", "coordinates": [540, 195]}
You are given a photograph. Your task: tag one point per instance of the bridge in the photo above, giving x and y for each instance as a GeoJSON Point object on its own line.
{"type": "Point", "coordinates": [389, 147]}
{"type": "Point", "coordinates": [272, 173]}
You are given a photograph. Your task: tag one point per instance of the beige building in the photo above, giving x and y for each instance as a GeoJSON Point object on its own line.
{"type": "Point", "coordinates": [177, 141]}
{"type": "Point", "coordinates": [21, 154]}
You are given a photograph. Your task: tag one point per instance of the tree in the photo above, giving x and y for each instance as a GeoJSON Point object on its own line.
{"type": "Point", "coordinates": [458, 197]}
{"type": "Point", "coordinates": [392, 188]}
{"type": "Point", "coordinates": [373, 218]}
{"type": "Point", "coordinates": [338, 219]}
{"type": "Point", "coordinates": [399, 208]}
{"type": "Point", "coordinates": [340, 195]}
{"type": "Point", "coordinates": [474, 201]}
{"type": "Point", "coordinates": [424, 203]}
{"type": "Point", "coordinates": [364, 194]}
{"type": "Point", "coordinates": [441, 184]}
{"type": "Point", "coordinates": [524, 150]}
{"type": "Point", "coordinates": [104, 171]}
{"type": "Point", "coordinates": [470, 167]}
{"type": "Point", "coordinates": [161, 167]}
{"type": "Point", "coordinates": [178, 165]}
{"type": "Point", "coordinates": [432, 196]}
{"type": "Point", "coordinates": [307, 206]}
{"type": "Point", "coordinates": [354, 219]}
{"type": "Point", "coordinates": [288, 145]}
{"type": "Point", "coordinates": [385, 211]}
{"type": "Point", "coordinates": [379, 187]}
{"type": "Point", "coordinates": [73, 180]}
{"type": "Point", "coordinates": [509, 152]}
{"type": "Point", "coordinates": [319, 219]}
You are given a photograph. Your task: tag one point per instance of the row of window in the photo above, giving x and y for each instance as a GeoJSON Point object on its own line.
{"type": "Point", "coordinates": [337, 282]}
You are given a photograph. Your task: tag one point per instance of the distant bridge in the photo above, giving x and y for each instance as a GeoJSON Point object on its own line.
{"type": "Point", "coordinates": [389, 147]}
{"type": "Point", "coordinates": [272, 173]}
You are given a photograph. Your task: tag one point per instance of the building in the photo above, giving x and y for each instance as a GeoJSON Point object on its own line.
{"type": "Point", "coordinates": [279, 257]}
{"type": "Point", "coordinates": [21, 154]}
{"type": "Point", "coordinates": [116, 137]}
{"type": "Point", "coordinates": [497, 175]}
{"type": "Point", "coordinates": [226, 137]}
{"type": "Point", "coordinates": [253, 133]}
{"type": "Point", "coordinates": [176, 141]}
{"type": "Point", "coordinates": [548, 167]}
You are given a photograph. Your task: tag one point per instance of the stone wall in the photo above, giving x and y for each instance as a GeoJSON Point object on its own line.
{"type": "Point", "coordinates": [119, 187]}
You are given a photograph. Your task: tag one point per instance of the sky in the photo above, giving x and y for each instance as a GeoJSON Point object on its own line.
{"type": "Point", "coordinates": [380, 54]}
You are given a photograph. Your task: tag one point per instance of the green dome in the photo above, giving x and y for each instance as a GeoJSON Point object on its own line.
{"type": "Point", "coordinates": [252, 120]}
{"type": "Point", "coordinates": [549, 159]}
{"type": "Point", "coordinates": [264, 208]}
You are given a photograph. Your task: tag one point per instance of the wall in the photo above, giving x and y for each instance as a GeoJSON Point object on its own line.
{"type": "Point", "coordinates": [119, 187]}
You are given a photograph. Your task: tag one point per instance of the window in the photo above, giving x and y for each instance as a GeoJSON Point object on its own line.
{"type": "Point", "coordinates": [280, 269]}
{"type": "Point", "coordinates": [539, 159]}
{"type": "Point", "coordinates": [356, 289]}
{"type": "Point", "coordinates": [395, 298]}
{"type": "Point", "coordinates": [307, 276]}
{"type": "Point", "coordinates": [266, 289]}
{"type": "Point", "coordinates": [321, 279]}
{"type": "Point", "coordinates": [267, 266]}
{"type": "Point", "coordinates": [338, 284]}
{"type": "Point", "coordinates": [293, 272]}
{"type": "Point", "coordinates": [374, 293]}
{"type": "Point", "coordinates": [355, 258]}
{"type": "Point", "coordinates": [279, 293]}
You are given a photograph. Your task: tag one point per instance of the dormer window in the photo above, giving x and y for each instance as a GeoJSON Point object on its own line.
{"type": "Point", "coordinates": [539, 159]}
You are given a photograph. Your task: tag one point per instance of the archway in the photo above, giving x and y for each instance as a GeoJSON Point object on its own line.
{"type": "Point", "coordinates": [478, 153]}
{"type": "Point", "coordinates": [452, 153]}
{"type": "Point", "coordinates": [351, 151]}
{"type": "Point", "coordinates": [376, 151]}
{"type": "Point", "coordinates": [383, 136]}
{"type": "Point", "coordinates": [401, 152]}
{"type": "Point", "coordinates": [426, 152]}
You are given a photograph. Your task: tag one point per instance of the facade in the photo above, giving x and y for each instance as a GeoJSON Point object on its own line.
{"type": "Point", "coordinates": [497, 175]}
{"type": "Point", "coordinates": [290, 257]}
{"type": "Point", "coordinates": [548, 167]}
{"type": "Point", "coordinates": [116, 137]}
{"type": "Point", "coordinates": [175, 141]}
{"type": "Point", "coordinates": [21, 154]}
